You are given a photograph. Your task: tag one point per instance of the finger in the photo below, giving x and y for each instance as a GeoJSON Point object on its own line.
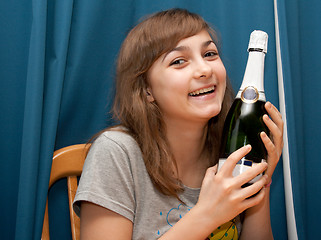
{"type": "Point", "coordinates": [215, 168]}
{"type": "Point", "coordinates": [272, 110]}
{"type": "Point", "coordinates": [275, 115]}
{"type": "Point", "coordinates": [276, 132]}
{"type": "Point", "coordinates": [211, 171]}
{"type": "Point", "coordinates": [269, 145]}
{"type": "Point", "coordinates": [231, 161]}
{"type": "Point", "coordinates": [273, 154]}
{"type": "Point", "coordinates": [275, 128]}
{"type": "Point", "coordinates": [254, 200]}
{"type": "Point", "coordinates": [251, 173]}
{"type": "Point", "coordinates": [255, 187]}
{"type": "Point", "coordinates": [274, 149]}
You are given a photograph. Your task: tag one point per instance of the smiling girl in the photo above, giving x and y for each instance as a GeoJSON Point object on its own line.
{"type": "Point", "coordinates": [154, 176]}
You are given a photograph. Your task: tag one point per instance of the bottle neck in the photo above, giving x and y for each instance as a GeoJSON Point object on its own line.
{"type": "Point", "coordinates": [254, 74]}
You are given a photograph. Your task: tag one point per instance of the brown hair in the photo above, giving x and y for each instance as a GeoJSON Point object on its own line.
{"type": "Point", "coordinates": [144, 44]}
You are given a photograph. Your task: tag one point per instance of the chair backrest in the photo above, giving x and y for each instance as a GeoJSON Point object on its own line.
{"type": "Point", "coordinates": [67, 163]}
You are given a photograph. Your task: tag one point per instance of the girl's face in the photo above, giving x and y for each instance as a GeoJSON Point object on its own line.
{"type": "Point", "coordinates": [188, 83]}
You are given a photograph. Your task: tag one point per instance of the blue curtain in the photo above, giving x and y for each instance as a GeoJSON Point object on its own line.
{"type": "Point", "coordinates": [300, 38]}
{"type": "Point", "coordinates": [57, 61]}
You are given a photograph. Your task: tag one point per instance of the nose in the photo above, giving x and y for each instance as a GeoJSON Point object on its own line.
{"type": "Point", "coordinates": [202, 69]}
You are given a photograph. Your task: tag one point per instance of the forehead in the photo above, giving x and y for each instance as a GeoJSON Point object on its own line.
{"type": "Point", "coordinates": [199, 38]}
{"type": "Point", "coordinates": [199, 41]}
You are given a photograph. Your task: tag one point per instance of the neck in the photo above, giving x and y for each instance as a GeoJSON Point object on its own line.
{"type": "Point", "coordinates": [187, 142]}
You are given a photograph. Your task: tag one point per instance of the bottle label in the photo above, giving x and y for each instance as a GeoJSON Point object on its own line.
{"type": "Point", "coordinates": [250, 95]}
{"type": "Point", "coordinates": [240, 167]}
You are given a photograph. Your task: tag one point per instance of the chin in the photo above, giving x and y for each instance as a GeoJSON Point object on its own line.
{"type": "Point", "coordinates": [212, 113]}
{"type": "Point", "coordinates": [216, 110]}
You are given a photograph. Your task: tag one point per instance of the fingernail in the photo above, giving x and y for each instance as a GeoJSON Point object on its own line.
{"type": "Point", "coordinates": [263, 135]}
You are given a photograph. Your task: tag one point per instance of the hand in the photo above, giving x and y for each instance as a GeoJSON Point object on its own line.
{"type": "Point", "coordinates": [274, 143]}
{"type": "Point", "coordinates": [222, 197]}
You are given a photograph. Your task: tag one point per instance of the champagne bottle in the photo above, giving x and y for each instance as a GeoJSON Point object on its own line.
{"type": "Point", "coordinates": [244, 121]}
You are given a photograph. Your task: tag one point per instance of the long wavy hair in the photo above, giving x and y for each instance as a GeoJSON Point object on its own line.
{"type": "Point", "coordinates": [145, 43]}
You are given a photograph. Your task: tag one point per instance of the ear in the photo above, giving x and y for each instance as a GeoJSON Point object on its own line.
{"type": "Point", "coordinates": [149, 95]}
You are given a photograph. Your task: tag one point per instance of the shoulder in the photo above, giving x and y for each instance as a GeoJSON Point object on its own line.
{"type": "Point", "coordinates": [119, 135]}
{"type": "Point", "coordinates": [117, 146]}
{"type": "Point", "coordinates": [116, 138]}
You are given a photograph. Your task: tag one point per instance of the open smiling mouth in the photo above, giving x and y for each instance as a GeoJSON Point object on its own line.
{"type": "Point", "coordinates": [202, 91]}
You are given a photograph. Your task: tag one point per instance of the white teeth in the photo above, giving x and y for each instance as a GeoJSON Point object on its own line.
{"type": "Point", "coordinates": [204, 90]}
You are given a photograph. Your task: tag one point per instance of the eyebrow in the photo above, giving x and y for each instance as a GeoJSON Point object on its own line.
{"type": "Point", "coordinates": [207, 43]}
{"type": "Point", "coordinates": [185, 48]}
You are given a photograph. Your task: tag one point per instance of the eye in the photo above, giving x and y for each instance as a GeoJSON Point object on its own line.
{"type": "Point", "coordinates": [211, 54]}
{"type": "Point", "coordinates": [177, 62]}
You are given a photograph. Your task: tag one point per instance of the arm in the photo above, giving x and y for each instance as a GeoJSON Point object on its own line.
{"type": "Point", "coordinates": [102, 211]}
{"type": "Point", "coordinates": [97, 222]}
{"type": "Point", "coordinates": [257, 223]}
{"type": "Point", "coordinates": [221, 199]}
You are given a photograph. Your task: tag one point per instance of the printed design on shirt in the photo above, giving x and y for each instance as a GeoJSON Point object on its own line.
{"type": "Point", "coordinates": [226, 231]}
{"type": "Point", "coordinates": [174, 215]}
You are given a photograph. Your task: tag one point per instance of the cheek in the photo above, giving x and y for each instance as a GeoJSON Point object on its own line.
{"type": "Point", "coordinates": [219, 69]}
{"type": "Point", "coordinates": [222, 79]}
{"type": "Point", "coordinates": [165, 85]}
{"type": "Point", "coordinates": [224, 85]}
{"type": "Point", "coordinates": [222, 73]}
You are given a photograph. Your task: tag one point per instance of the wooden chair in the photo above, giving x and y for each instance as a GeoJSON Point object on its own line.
{"type": "Point", "coordinates": [67, 163]}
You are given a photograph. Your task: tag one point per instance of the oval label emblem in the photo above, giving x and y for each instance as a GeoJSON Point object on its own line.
{"type": "Point", "coordinates": [250, 95]}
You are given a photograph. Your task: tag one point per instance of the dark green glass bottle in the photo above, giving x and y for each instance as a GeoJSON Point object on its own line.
{"type": "Point", "coordinates": [244, 121]}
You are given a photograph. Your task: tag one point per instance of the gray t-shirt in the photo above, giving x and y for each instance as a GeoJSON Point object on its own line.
{"type": "Point", "coordinates": [115, 177]}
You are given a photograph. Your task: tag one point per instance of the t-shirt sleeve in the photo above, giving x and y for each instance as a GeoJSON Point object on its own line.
{"type": "Point", "coordinates": [107, 179]}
